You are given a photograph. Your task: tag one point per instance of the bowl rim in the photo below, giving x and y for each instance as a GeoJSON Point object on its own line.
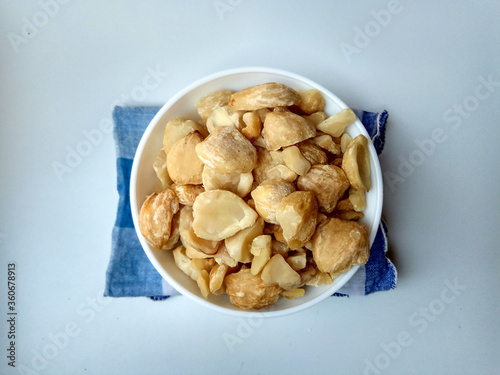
{"type": "Point", "coordinates": [133, 201]}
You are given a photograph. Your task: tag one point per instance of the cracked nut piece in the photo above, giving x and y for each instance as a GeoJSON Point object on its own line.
{"type": "Point", "coordinates": [268, 195]}
{"type": "Point", "coordinates": [344, 142]}
{"type": "Point", "coordinates": [312, 152]}
{"type": "Point", "coordinates": [177, 129]}
{"type": "Point", "coordinates": [294, 160]}
{"type": "Point", "coordinates": [224, 116]}
{"type": "Point", "coordinates": [253, 126]}
{"type": "Point", "coordinates": [327, 182]}
{"type": "Point", "coordinates": [218, 214]}
{"type": "Point", "coordinates": [250, 292]}
{"type": "Point", "coordinates": [239, 183]}
{"type": "Point", "coordinates": [160, 167]}
{"type": "Point", "coordinates": [212, 101]}
{"type": "Point", "coordinates": [282, 172]}
{"type": "Point", "coordinates": [311, 101]}
{"type": "Point", "coordinates": [284, 128]}
{"type": "Point", "coordinates": [261, 250]}
{"type": "Point", "coordinates": [189, 237]}
{"type": "Point", "coordinates": [183, 262]}
{"type": "Point", "coordinates": [267, 95]}
{"type": "Point", "coordinates": [356, 163]}
{"type": "Point", "coordinates": [293, 293]}
{"type": "Point", "coordinates": [335, 125]}
{"type": "Point", "coordinates": [187, 193]}
{"type": "Point", "coordinates": [226, 150]}
{"type": "Point", "coordinates": [238, 246]}
{"type": "Point", "coordinates": [183, 164]}
{"type": "Point", "coordinates": [222, 257]}
{"type": "Point", "coordinates": [316, 117]}
{"type": "Point", "coordinates": [278, 271]}
{"type": "Point", "coordinates": [156, 217]}
{"type": "Point", "coordinates": [358, 199]}
{"type": "Point", "coordinates": [297, 214]}
{"type": "Point", "coordinates": [217, 275]}
{"type": "Point", "coordinates": [266, 160]}
{"type": "Point", "coordinates": [337, 245]}
{"type": "Point", "coordinates": [326, 142]}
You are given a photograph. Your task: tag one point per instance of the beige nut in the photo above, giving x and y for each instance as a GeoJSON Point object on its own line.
{"type": "Point", "coordinates": [218, 214]}
{"type": "Point", "coordinates": [267, 95]}
{"type": "Point", "coordinates": [282, 172]}
{"type": "Point", "coordinates": [224, 116]}
{"type": "Point", "coordinates": [358, 199]}
{"type": "Point", "coordinates": [339, 244]}
{"type": "Point", "coordinates": [183, 262]}
{"type": "Point", "coordinates": [187, 193]}
{"type": "Point", "coordinates": [217, 275]}
{"type": "Point", "coordinates": [226, 150]}
{"type": "Point", "coordinates": [177, 129]}
{"type": "Point", "coordinates": [344, 142]}
{"type": "Point", "coordinates": [298, 261]}
{"type": "Point", "coordinates": [356, 163]}
{"type": "Point", "coordinates": [183, 164]}
{"type": "Point", "coordinates": [156, 217]}
{"type": "Point", "coordinates": [327, 182]}
{"type": "Point", "coordinates": [278, 271]}
{"type": "Point", "coordinates": [160, 167]}
{"type": "Point", "coordinates": [268, 195]}
{"type": "Point", "coordinates": [238, 246]}
{"type": "Point", "coordinates": [326, 142]}
{"type": "Point", "coordinates": [250, 292]}
{"type": "Point", "coordinates": [297, 214]}
{"type": "Point", "coordinates": [222, 257]}
{"type": "Point", "coordinates": [189, 237]}
{"type": "Point", "coordinates": [239, 183]}
{"type": "Point", "coordinates": [266, 160]}
{"type": "Point", "coordinates": [261, 249]}
{"type": "Point", "coordinates": [293, 293]}
{"type": "Point", "coordinates": [312, 152]}
{"type": "Point", "coordinates": [311, 101]}
{"type": "Point", "coordinates": [253, 126]}
{"type": "Point", "coordinates": [284, 128]}
{"type": "Point", "coordinates": [212, 101]}
{"type": "Point", "coordinates": [294, 160]}
{"type": "Point", "coordinates": [316, 118]}
{"type": "Point", "coordinates": [335, 125]}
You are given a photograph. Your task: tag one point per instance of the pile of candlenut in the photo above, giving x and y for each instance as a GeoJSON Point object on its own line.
{"type": "Point", "coordinates": [260, 197]}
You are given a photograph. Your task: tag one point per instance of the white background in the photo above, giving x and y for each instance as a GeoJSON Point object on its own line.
{"type": "Point", "coordinates": [443, 216]}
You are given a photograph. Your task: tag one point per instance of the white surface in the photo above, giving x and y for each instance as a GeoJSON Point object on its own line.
{"type": "Point", "coordinates": [143, 181]}
{"type": "Point", "coordinates": [443, 219]}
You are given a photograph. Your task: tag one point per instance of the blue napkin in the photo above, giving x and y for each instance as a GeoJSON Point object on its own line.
{"type": "Point", "coordinates": [131, 274]}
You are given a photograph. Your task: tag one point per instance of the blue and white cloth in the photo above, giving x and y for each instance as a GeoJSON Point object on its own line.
{"type": "Point", "coordinates": [131, 274]}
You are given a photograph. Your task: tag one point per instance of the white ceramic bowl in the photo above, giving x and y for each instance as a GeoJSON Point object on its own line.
{"type": "Point", "coordinates": [143, 180]}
